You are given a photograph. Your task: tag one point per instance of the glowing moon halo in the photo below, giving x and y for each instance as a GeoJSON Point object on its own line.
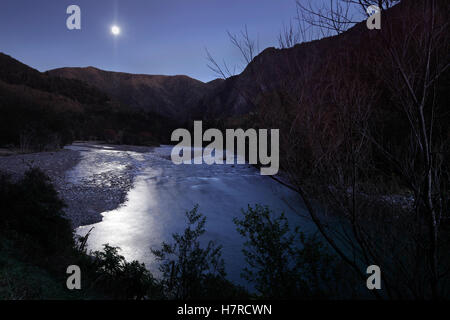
{"type": "Point", "coordinates": [115, 30]}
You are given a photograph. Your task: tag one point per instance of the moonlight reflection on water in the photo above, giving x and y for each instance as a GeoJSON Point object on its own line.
{"type": "Point", "coordinates": [163, 192]}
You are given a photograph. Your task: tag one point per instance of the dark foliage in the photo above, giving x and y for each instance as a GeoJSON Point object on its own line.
{"type": "Point", "coordinates": [284, 263]}
{"type": "Point", "coordinates": [37, 245]}
{"type": "Point", "coordinates": [192, 272]}
{"type": "Point", "coordinates": [122, 279]}
{"type": "Point", "coordinates": [31, 214]}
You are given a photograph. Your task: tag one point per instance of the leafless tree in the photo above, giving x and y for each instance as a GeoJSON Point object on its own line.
{"type": "Point", "coordinates": [331, 17]}
{"type": "Point", "coordinates": [247, 47]}
{"type": "Point", "coordinates": [373, 200]}
{"type": "Point", "coordinates": [418, 58]}
{"type": "Point", "coordinates": [410, 60]}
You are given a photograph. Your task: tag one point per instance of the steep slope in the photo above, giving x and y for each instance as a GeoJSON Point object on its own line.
{"type": "Point", "coordinates": [16, 73]}
{"type": "Point", "coordinates": [303, 65]}
{"type": "Point", "coordinates": [176, 97]}
{"type": "Point", "coordinates": [278, 69]}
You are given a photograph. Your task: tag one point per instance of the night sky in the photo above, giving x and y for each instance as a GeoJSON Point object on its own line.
{"type": "Point", "coordinates": [157, 36]}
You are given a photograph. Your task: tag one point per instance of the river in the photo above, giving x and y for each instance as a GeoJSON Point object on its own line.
{"type": "Point", "coordinates": [161, 194]}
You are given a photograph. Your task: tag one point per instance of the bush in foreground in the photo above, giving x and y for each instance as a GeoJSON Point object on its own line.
{"type": "Point", "coordinates": [283, 263]}
{"type": "Point", "coordinates": [192, 272]}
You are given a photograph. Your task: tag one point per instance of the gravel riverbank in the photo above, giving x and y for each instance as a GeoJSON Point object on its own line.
{"type": "Point", "coordinates": [84, 176]}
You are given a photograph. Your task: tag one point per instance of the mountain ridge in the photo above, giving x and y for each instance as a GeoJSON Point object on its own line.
{"type": "Point", "coordinates": [42, 112]}
{"type": "Point", "coordinates": [176, 97]}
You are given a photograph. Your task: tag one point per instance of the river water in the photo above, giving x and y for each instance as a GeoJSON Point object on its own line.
{"type": "Point", "coordinates": [161, 194]}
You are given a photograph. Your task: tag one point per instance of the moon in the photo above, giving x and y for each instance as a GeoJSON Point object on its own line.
{"type": "Point", "coordinates": [115, 30]}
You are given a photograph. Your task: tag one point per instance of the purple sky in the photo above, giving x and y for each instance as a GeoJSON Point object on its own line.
{"type": "Point", "coordinates": [158, 36]}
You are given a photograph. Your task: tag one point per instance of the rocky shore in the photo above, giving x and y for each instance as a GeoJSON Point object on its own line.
{"type": "Point", "coordinates": [87, 193]}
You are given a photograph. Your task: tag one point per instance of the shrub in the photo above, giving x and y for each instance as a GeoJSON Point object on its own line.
{"type": "Point", "coordinates": [282, 264]}
{"type": "Point", "coordinates": [122, 279]}
{"type": "Point", "coordinates": [192, 272]}
{"type": "Point", "coordinates": [32, 214]}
